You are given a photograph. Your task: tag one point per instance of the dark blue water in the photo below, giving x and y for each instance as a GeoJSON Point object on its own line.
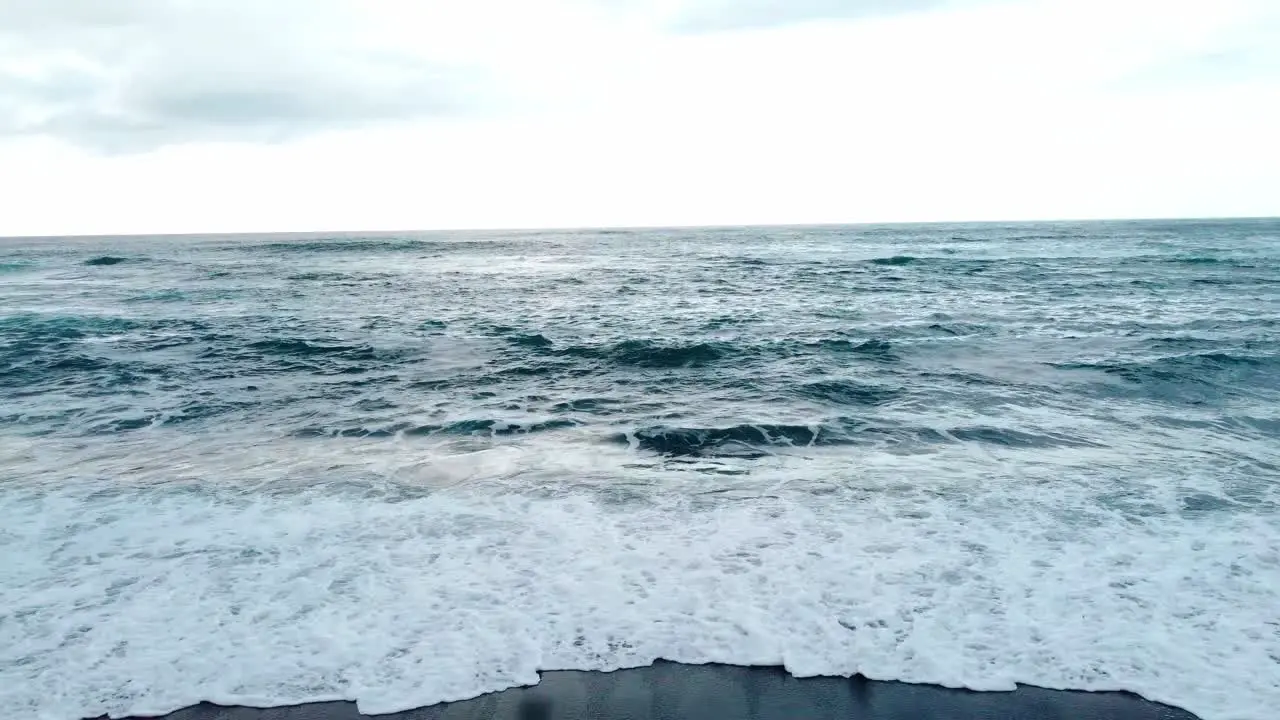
{"type": "Point", "coordinates": [409, 468]}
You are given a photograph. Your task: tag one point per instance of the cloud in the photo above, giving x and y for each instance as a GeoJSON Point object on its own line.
{"type": "Point", "coordinates": [698, 16]}
{"type": "Point", "coordinates": [135, 74]}
{"type": "Point", "coordinates": [1239, 49]}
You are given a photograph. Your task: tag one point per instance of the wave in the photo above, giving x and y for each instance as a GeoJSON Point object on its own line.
{"type": "Point", "coordinates": [653, 354]}
{"type": "Point", "coordinates": [461, 428]}
{"type": "Point", "coordinates": [876, 348]}
{"type": "Point", "coordinates": [1196, 379]}
{"type": "Point", "coordinates": [1269, 427]}
{"type": "Point", "coordinates": [340, 278]}
{"type": "Point", "coordinates": [160, 296]}
{"type": "Point", "coordinates": [208, 409]}
{"type": "Point", "coordinates": [64, 327]}
{"type": "Point", "coordinates": [1197, 260]}
{"type": "Point", "coordinates": [15, 267]}
{"type": "Point", "coordinates": [39, 352]}
{"type": "Point", "coordinates": [488, 589]}
{"type": "Point", "coordinates": [534, 341]}
{"type": "Point", "coordinates": [848, 392]}
{"type": "Point", "coordinates": [1182, 342]}
{"type": "Point", "coordinates": [196, 413]}
{"type": "Point", "coordinates": [293, 347]}
{"type": "Point", "coordinates": [77, 375]}
{"type": "Point", "coordinates": [341, 245]}
{"type": "Point", "coordinates": [586, 405]}
{"type": "Point", "coordinates": [756, 440]}
{"type": "Point", "coordinates": [425, 247]}
{"type": "Point", "coordinates": [536, 369]}
{"type": "Point", "coordinates": [950, 264]}
{"type": "Point", "coordinates": [1199, 367]}
{"type": "Point", "coordinates": [121, 425]}
{"type": "Point", "coordinates": [736, 441]}
{"type": "Point", "coordinates": [1007, 437]}
{"type": "Point", "coordinates": [105, 260]}
{"type": "Point", "coordinates": [52, 353]}
{"type": "Point", "coordinates": [326, 276]}
{"type": "Point", "coordinates": [1034, 237]}
{"type": "Point", "coordinates": [951, 329]}
{"type": "Point", "coordinates": [894, 261]}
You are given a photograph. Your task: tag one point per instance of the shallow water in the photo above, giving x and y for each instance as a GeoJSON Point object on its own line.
{"type": "Point", "coordinates": [402, 469]}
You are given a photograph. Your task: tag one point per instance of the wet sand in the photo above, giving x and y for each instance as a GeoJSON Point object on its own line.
{"type": "Point", "coordinates": [668, 691]}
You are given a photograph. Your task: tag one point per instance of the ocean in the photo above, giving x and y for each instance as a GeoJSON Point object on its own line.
{"type": "Point", "coordinates": [410, 468]}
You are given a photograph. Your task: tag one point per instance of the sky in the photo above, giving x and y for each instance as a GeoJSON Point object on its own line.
{"type": "Point", "coordinates": [171, 116]}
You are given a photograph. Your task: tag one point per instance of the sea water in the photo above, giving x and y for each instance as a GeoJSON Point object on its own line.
{"type": "Point", "coordinates": [408, 468]}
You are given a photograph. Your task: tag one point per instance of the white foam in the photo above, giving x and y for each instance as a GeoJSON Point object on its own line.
{"type": "Point", "coordinates": [457, 577]}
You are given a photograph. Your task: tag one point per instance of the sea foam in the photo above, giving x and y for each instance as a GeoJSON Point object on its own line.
{"type": "Point", "coordinates": [446, 579]}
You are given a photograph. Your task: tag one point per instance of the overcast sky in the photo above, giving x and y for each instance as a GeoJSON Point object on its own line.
{"type": "Point", "coordinates": [127, 116]}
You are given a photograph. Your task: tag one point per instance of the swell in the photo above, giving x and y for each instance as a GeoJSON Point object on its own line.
{"type": "Point", "coordinates": [894, 261]}
{"type": "Point", "coordinates": [653, 354]}
{"type": "Point", "coordinates": [167, 367]}
{"type": "Point", "coordinates": [848, 392]}
{"type": "Point", "coordinates": [306, 348]}
{"type": "Point", "coordinates": [44, 328]}
{"type": "Point", "coordinates": [341, 245]}
{"type": "Point", "coordinates": [1194, 377]}
{"type": "Point", "coordinates": [7, 268]}
{"type": "Point", "coordinates": [105, 260]}
{"type": "Point", "coordinates": [462, 428]}
{"type": "Point", "coordinates": [364, 245]}
{"type": "Point", "coordinates": [228, 355]}
{"type": "Point", "coordinates": [953, 264]}
{"type": "Point", "coordinates": [195, 412]}
{"type": "Point", "coordinates": [347, 279]}
{"type": "Point", "coordinates": [39, 351]}
{"type": "Point", "coordinates": [755, 440]}
{"type": "Point", "coordinates": [78, 375]}
{"type": "Point", "coordinates": [881, 349]}
{"type": "Point", "coordinates": [736, 440]}
{"type": "Point", "coordinates": [1230, 262]}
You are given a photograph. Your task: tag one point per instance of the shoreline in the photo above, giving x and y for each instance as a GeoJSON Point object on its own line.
{"type": "Point", "coordinates": [671, 691]}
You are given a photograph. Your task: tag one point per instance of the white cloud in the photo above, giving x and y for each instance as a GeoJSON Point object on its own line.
{"type": "Point", "coordinates": [595, 112]}
{"type": "Point", "coordinates": [133, 74]}
{"type": "Point", "coordinates": [718, 15]}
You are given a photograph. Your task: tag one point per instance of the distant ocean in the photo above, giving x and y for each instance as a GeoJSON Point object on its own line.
{"type": "Point", "coordinates": [411, 468]}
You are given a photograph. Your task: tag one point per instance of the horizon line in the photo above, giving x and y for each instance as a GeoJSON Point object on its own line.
{"type": "Point", "coordinates": [600, 228]}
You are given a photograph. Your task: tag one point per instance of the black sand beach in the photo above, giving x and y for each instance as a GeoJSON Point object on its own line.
{"type": "Point", "coordinates": [668, 691]}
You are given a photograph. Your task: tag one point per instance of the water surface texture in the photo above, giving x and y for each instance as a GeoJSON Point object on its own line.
{"type": "Point", "coordinates": [402, 469]}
